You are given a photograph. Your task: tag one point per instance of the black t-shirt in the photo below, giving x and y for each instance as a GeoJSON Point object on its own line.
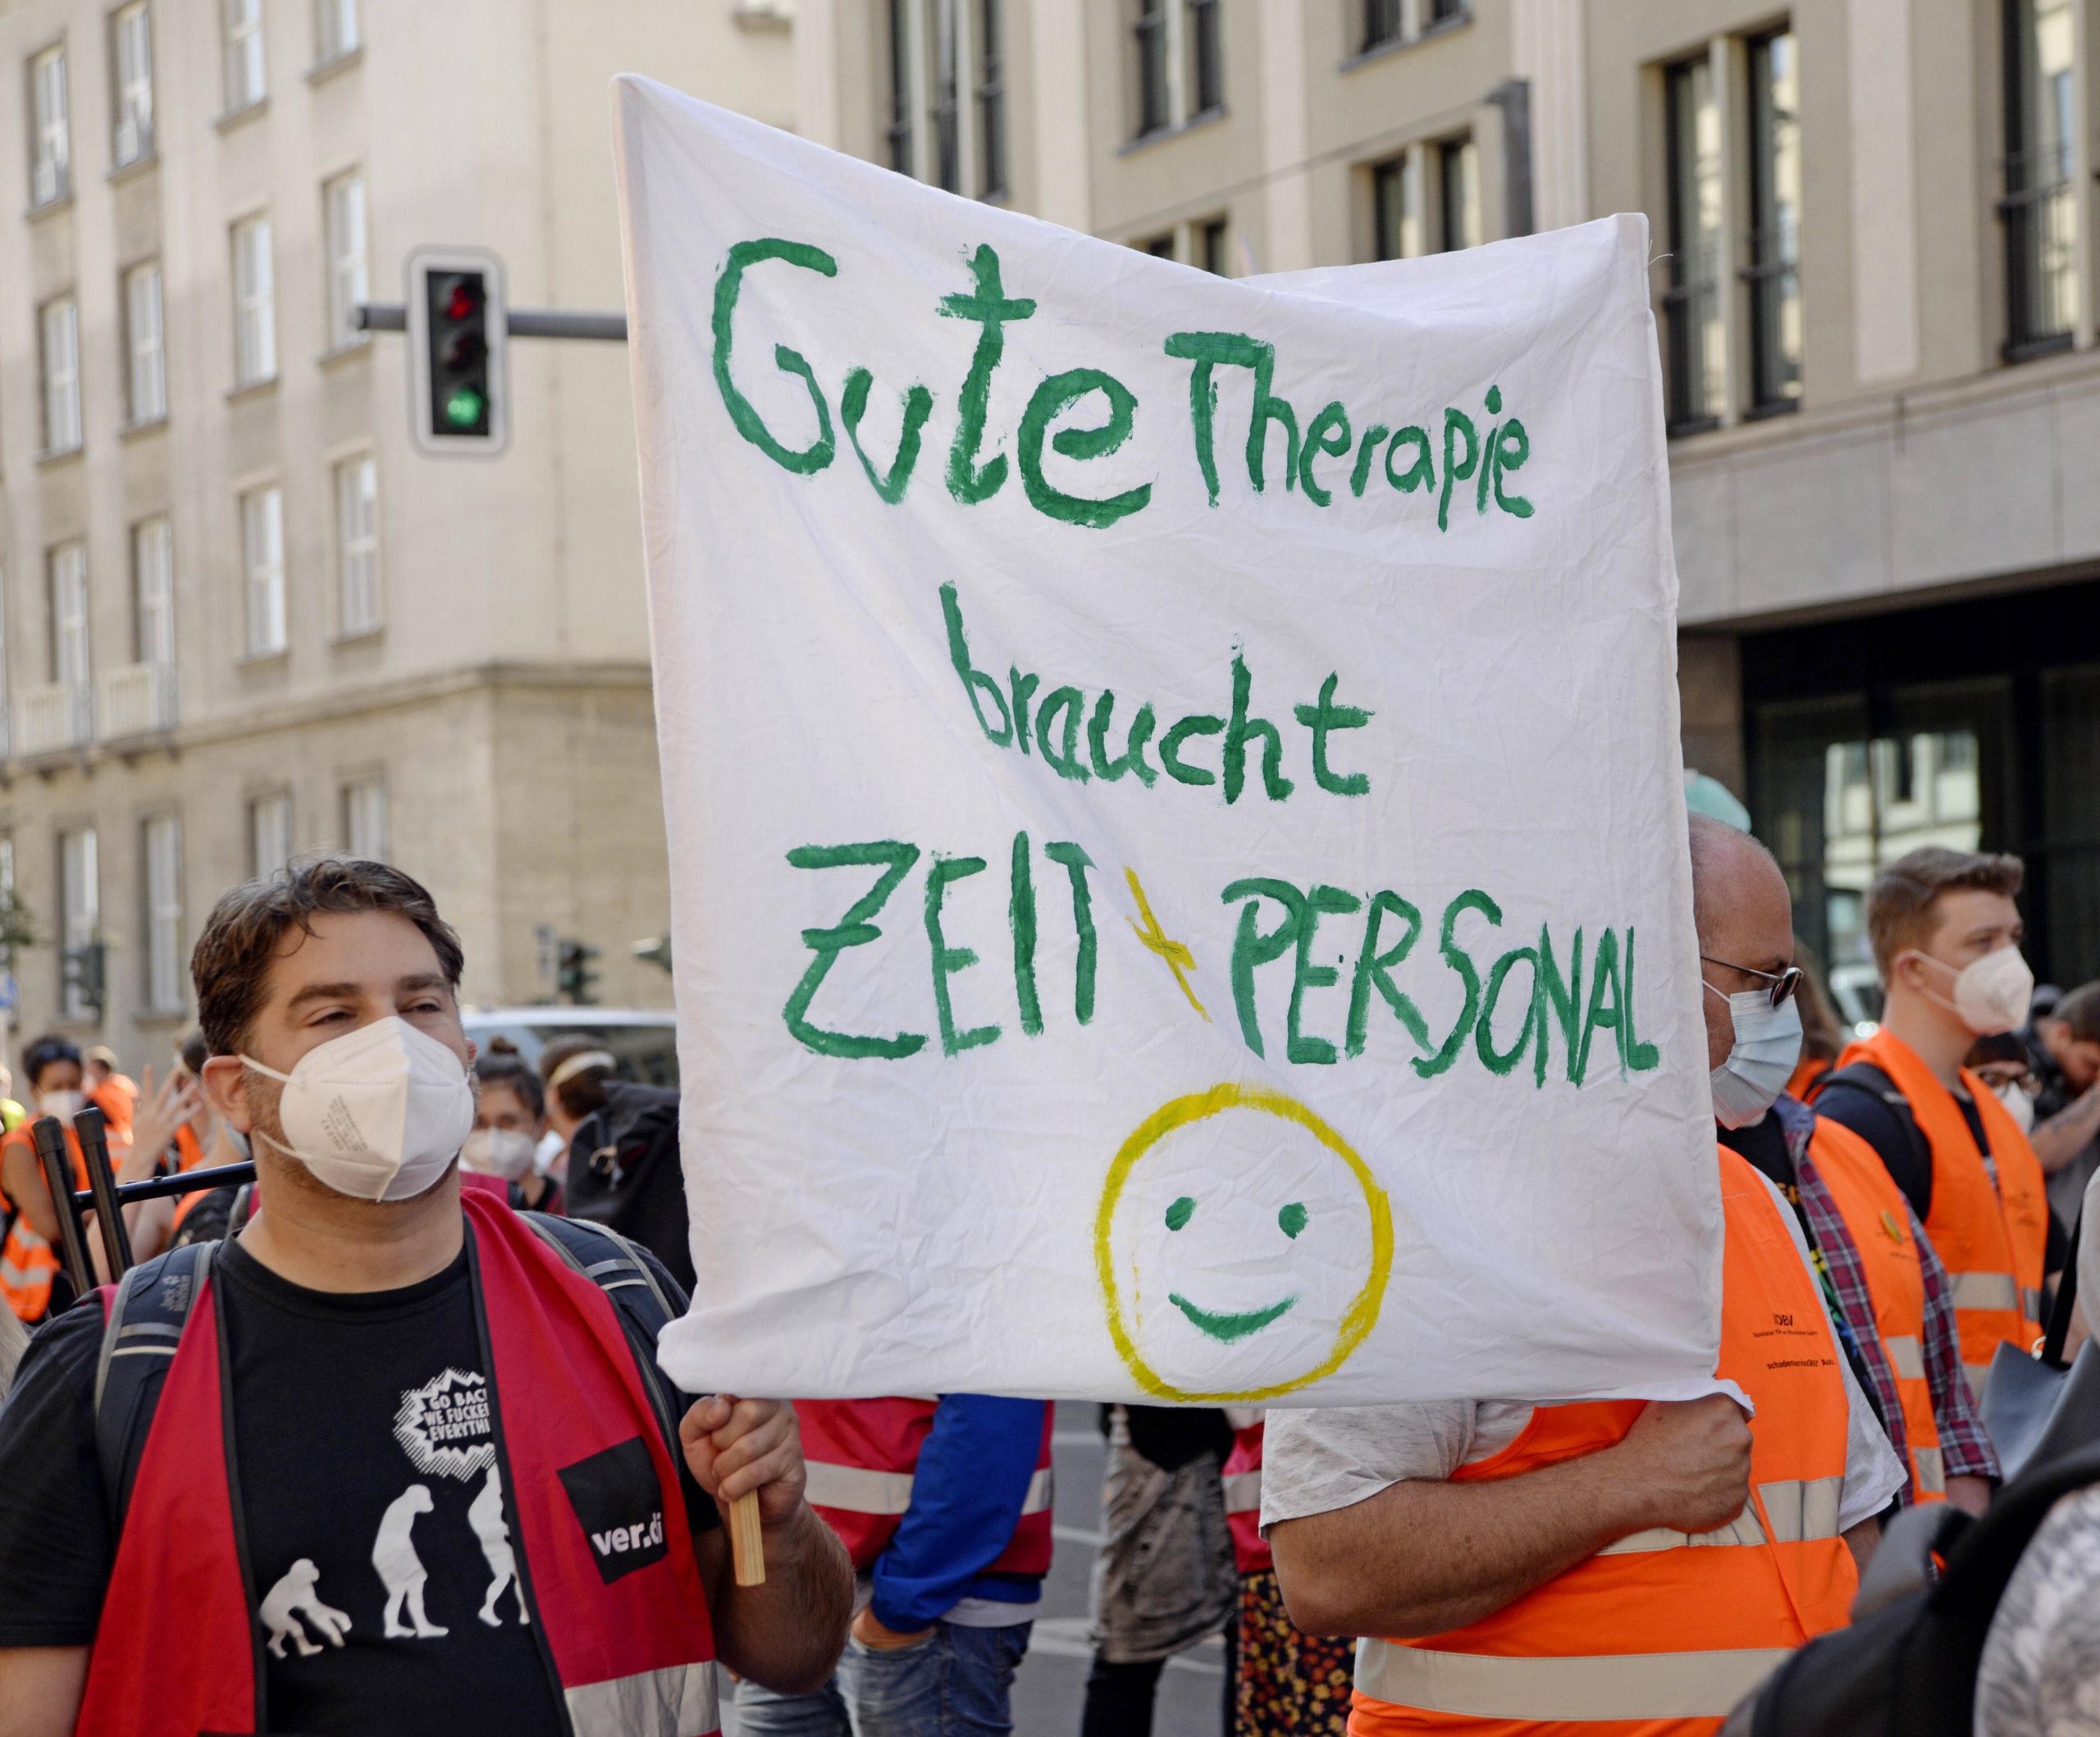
{"type": "Point", "coordinates": [1763, 1144]}
{"type": "Point", "coordinates": [376, 1534]}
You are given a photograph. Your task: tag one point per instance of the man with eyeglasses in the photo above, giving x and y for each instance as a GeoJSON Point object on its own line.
{"type": "Point", "coordinates": [1880, 1277]}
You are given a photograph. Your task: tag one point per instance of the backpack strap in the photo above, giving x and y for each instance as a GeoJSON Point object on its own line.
{"type": "Point", "coordinates": [145, 1314]}
{"type": "Point", "coordinates": [616, 1266]}
{"type": "Point", "coordinates": [1865, 1078]}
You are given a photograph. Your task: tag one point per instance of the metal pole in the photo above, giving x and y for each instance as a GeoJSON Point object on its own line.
{"type": "Point", "coordinates": [185, 1182]}
{"type": "Point", "coordinates": [101, 1184]}
{"type": "Point", "coordinates": [519, 323]}
{"type": "Point", "coordinates": [48, 1133]}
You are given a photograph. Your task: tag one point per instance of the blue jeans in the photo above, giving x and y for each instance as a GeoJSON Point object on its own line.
{"type": "Point", "coordinates": [958, 1682]}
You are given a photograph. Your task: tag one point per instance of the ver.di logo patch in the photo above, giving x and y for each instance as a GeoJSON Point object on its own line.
{"type": "Point", "coordinates": [620, 1506]}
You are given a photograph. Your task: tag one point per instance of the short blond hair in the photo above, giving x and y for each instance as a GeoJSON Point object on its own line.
{"type": "Point", "coordinates": [1900, 903]}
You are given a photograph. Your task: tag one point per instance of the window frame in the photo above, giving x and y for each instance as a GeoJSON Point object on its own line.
{"type": "Point", "coordinates": [342, 302]}
{"type": "Point", "coordinates": [161, 913]}
{"type": "Point", "coordinates": [331, 42]}
{"type": "Point", "coordinates": [143, 353]}
{"type": "Point", "coordinates": [2027, 201]}
{"type": "Point", "coordinates": [1681, 299]}
{"type": "Point", "coordinates": [1771, 276]}
{"type": "Point", "coordinates": [363, 547]}
{"type": "Point", "coordinates": [1151, 60]}
{"type": "Point", "coordinates": [254, 303]}
{"type": "Point", "coordinates": [80, 914]}
{"type": "Point", "coordinates": [266, 632]}
{"type": "Point", "coordinates": [1203, 26]}
{"type": "Point", "coordinates": [277, 802]}
{"type": "Point", "coordinates": [51, 130]}
{"type": "Point", "coordinates": [60, 384]}
{"type": "Point", "coordinates": [988, 46]}
{"type": "Point", "coordinates": [70, 606]}
{"type": "Point", "coordinates": [246, 55]}
{"type": "Point", "coordinates": [1460, 222]}
{"type": "Point", "coordinates": [370, 786]}
{"type": "Point", "coordinates": [153, 591]}
{"type": "Point", "coordinates": [128, 83]}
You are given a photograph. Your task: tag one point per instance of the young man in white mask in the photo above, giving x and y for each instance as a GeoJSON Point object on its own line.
{"type": "Point", "coordinates": [1946, 936]}
{"type": "Point", "coordinates": [1880, 1276]}
{"type": "Point", "coordinates": [407, 1472]}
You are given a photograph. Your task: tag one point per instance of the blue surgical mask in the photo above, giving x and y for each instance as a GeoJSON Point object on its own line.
{"type": "Point", "coordinates": [1767, 1047]}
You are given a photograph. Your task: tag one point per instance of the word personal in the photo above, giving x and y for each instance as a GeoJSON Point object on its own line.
{"type": "Point", "coordinates": [1317, 449]}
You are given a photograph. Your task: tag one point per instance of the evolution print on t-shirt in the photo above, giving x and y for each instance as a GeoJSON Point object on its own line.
{"type": "Point", "coordinates": [443, 1429]}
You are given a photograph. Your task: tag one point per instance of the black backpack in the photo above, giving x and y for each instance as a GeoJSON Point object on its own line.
{"type": "Point", "coordinates": [623, 1172]}
{"type": "Point", "coordinates": [1906, 1667]}
{"type": "Point", "coordinates": [1864, 1077]}
{"type": "Point", "coordinates": [149, 1307]}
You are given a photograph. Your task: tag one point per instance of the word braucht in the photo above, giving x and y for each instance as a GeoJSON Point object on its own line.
{"type": "Point", "coordinates": [1406, 455]}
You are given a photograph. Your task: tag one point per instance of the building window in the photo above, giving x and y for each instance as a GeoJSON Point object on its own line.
{"type": "Point", "coordinates": [1396, 207]}
{"type": "Point", "coordinates": [991, 102]}
{"type": "Point", "coordinates": [1210, 248]}
{"type": "Point", "coordinates": [146, 376]}
{"type": "Point", "coordinates": [900, 85]}
{"type": "Point", "coordinates": [7, 895]}
{"type": "Point", "coordinates": [255, 311]}
{"type": "Point", "coordinates": [61, 323]}
{"type": "Point", "coordinates": [1381, 23]}
{"type": "Point", "coordinates": [339, 29]}
{"type": "Point", "coordinates": [269, 833]}
{"type": "Point", "coordinates": [349, 280]}
{"type": "Point", "coordinates": [1446, 11]}
{"type": "Point", "coordinates": [2040, 212]}
{"type": "Point", "coordinates": [1775, 199]}
{"type": "Point", "coordinates": [161, 846]}
{"type": "Point", "coordinates": [1149, 35]}
{"type": "Point", "coordinates": [246, 82]}
{"type": "Point", "coordinates": [131, 61]}
{"type": "Point", "coordinates": [79, 918]}
{"type": "Point", "coordinates": [1160, 247]}
{"type": "Point", "coordinates": [1458, 186]}
{"type": "Point", "coordinates": [1691, 306]}
{"type": "Point", "coordinates": [943, 114]}
{"type": "Point", "coordinates": [357, 544]}
{"type": "Point", "coordinates": [69, 615]}
{"type": "Point", "coordinates": [152, 591]}
{"type": "Point", "coordinates": [262, 565]}
{"type": "Point", "coordinates": [1206, 59]}
{"type": "Point", "coordinates": [51, 149]}
{"type": "Point", "coordinates": [364, 819]}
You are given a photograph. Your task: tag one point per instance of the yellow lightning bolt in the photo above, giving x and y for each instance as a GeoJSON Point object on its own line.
{"type": "Point", "coordinates": [1178, 957]}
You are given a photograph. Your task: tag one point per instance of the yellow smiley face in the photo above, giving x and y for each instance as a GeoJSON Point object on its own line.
{"type": "Point", "coordinates": [1243, 1247]}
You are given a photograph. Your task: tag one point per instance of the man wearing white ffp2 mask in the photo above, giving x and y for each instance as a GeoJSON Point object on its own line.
{"type": "Point", "coordinates": [380, 1322]}
{"type": "Point", "coordinates": [1880, 1272]}
{"type": "Point", "coordinates": [1945, 936]}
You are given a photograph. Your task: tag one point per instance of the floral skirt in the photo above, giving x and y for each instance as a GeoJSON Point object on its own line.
{"type": "Point", "coordinates": [1291, 1685]}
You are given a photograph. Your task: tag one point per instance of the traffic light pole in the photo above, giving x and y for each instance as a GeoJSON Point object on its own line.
{"type": "Point", "coordinates": [520, 322]}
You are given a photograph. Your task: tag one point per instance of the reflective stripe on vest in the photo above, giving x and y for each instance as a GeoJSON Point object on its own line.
{"type": "Point", "coordinates": [1700, 1620]}
{"type": "Point", "coordinates": [1879, 1220]}
{"type": "Point", "coordinates": [856, 1489]}
{"type": "Point", "coordinates": [1991, 1230]}
{"type": "Point", "coordinates": [673, 1701]}
{"type": "Point", "coordinates": [1931, 1470]}
{"type": "Point", "coordinates": [27, 1266]}
{"type": "Point", "coordinates": [1622, 1686]}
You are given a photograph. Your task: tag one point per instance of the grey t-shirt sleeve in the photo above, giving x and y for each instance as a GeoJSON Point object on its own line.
{"type": "Point", "coordinates": [1315, 1462]}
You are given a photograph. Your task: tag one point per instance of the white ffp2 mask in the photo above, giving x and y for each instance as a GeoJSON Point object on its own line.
{"type": "Point", "coordinates": [377, 1114]}
{"type": "Point", "coordinates": [1767, 1049]}
{"type": "Point", "coordinates": [498, 1151]}
{"type": "Point", "coordinates": [1990, 994]}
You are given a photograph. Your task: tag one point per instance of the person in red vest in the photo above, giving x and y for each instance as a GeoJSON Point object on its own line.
{"type": "Point", "coordinates": [944, 1506]}
{"type": "Point", "coordinates": [1946, 936]}
{"type": "Point", "coordinates": [1634, 1568]}
{"type": "Point", "coordinates": [406, 1470]}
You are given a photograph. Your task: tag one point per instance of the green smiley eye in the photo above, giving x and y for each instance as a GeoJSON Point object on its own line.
{"type": "Point", "coordinates": [1180, 1212]}
{"type": "Point", "coordinates": [1291, 1219]}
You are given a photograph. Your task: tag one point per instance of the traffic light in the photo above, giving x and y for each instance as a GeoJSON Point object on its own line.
{"type": "Point", "coordinates": [457, 329]}
{"type": "Point", "coordinates": [578, 982]}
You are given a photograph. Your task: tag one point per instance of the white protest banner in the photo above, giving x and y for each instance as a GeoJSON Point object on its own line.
{"type": "Point", "coordinates": [1177, 840]}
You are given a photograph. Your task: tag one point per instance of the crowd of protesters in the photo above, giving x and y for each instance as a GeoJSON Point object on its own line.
{"type": "Point", "coordinates": [396, 1453]}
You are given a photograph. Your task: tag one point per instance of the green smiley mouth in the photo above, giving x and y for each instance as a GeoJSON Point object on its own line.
{"type": "Point", "coordinates": [1228, 1327]}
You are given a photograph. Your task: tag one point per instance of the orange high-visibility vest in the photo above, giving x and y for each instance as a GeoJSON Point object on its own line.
{"type": "Point", "coordinates": [1661, 1633]}
{"type": "Point", "coordinates": [1991, 1240]}
{"type": "Point", "coordinates": [1878, 1217]}
{"type": "Point", "coordinates": [28, 1263]}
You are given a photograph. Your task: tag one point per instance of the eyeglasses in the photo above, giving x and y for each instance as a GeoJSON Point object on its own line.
{"type": "Point", "coordinates": [1783, 984]}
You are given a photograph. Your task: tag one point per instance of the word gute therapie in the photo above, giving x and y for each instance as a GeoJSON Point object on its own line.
{"type": "Point", "coordinates": [1406, 457]}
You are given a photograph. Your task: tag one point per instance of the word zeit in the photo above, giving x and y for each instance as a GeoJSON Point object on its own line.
{"type": "Point", "coordinates": [623, 1539]}
{"type": "Point", "coordinates": [1404, 454]}
{"type": "Point", "coordinates": [1557, 994]}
